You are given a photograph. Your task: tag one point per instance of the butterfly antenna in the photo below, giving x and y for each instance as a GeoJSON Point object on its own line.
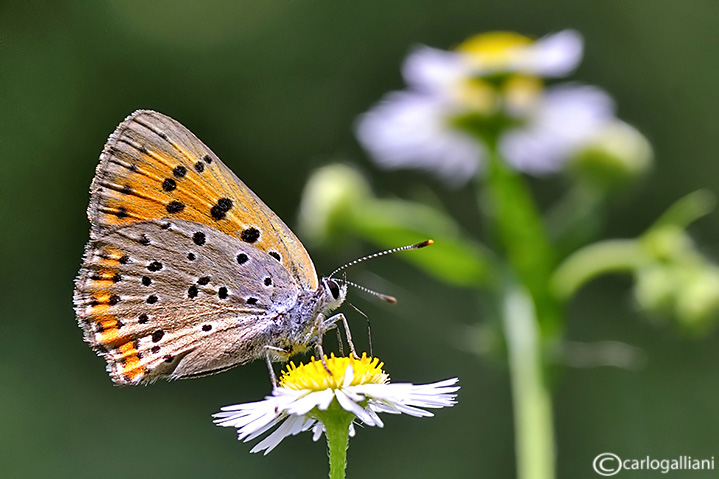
{"type": "Point", "coordinates": [377, 255]}
{"type": "Point", "coordinates": [369, 330]}
{"type": "Point", "coordinates": [383, 297]}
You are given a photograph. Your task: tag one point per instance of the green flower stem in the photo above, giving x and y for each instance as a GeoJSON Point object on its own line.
{"type": "Point", "coordinates": [576, 218]}
{"type": "Point", "coordinates": [532, 402]}
{"type": "Point", "coordinates": [531, 315]}
{"type": "Point", "coordinates": [687, 209]}
{"type": "Point", "coordinates": [599, 258]}
{"type": "Point", "coordinates": [521, 232]}
{"type": "Point", "coordinates": [618, 256]}
{"type": "Point", "coordinates": [337, 426]}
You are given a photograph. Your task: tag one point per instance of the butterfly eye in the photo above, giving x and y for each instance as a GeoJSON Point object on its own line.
{"type": "Point", "coordinates": [334, 289]}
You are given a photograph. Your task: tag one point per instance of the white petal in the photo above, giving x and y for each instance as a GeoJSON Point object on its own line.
{"type": "Point", "coordinates": [556, 55]}
{"type": "Point", "coordinates": [349, 376]}
{"type": "Point", "coordinates": [317, 431]}
{"type": "Point", "coordinates": [412, 411]}
{"type": "Point", "coordinates": [244, 406]}
{"type": "Point", "coordinates": [247, 435]}
{"type": "Point", "coordinates": [271, 441]}
{"type": "Point", "coordinates": [444, 384]}
{"type": "Point", "coordinates": [306, 403]}
{"type": "Point", "coordinates": [567, 117]}
{"type": "Point", "coordinates": [375, 417]}
{"type": "Point", "coordinates": [411, 130]}
{"type": "Point", "coordinates": [383, 406]}
{"type": "Point", "coordinates": [254, 416]}
{"type": "Point", "coordinates": [303, 425]}
{"type": "Point", "coordinates": [354, 394]}
{"type": "Point", "coordinates": [324, 399]}
{"type": "Point", "coordinates": [431, 69]}
{"type": "Point", "coordinates": [291, 426]}
{"type": "Point", "coordinates": [428, 395]}
{"type": "Point", "coordinates": [351, 406]}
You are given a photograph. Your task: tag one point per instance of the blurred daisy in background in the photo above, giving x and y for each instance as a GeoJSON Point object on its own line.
{"type": "Point", "coordinates": [488, 95]}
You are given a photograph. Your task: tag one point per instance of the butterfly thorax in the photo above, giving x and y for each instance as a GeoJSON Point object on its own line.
{"type": "Point", "coordinates": [301, 325]}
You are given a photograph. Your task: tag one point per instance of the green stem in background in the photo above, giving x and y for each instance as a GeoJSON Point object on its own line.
{"type": "Point", "coordinates": [337, 425]}
{"type": "Point", "coordinates": [520, 229]}
{"type": "Point", "coordinates": [687, 209]}
{"type": "Point", "coordinates": [626, 255]}
{"type": "Point", "coordinates": [599, 258]}
{"type": "Point", "coordinates": [576, 218]}
{"type": "Point", "coordinates": [530, 315]}
{"type": "Point", "coordinates": [532, 402]}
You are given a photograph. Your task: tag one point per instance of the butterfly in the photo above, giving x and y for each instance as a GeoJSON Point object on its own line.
{"type": "Point", "coordinates": [187, 272]}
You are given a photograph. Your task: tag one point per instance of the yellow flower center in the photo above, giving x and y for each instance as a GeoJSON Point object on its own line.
{"type": "Point", "coordinates": [494, 50]}
{"type": "Point", "coordinates": [314, 376]}
{"type": "Point", "coordinates": [476, 95]}
{"type": "Point", "coordinates": [494, 44]}
{"type": "Point", "coordinates": [494, 86]}
{"type": "Point", "coordinates": [521, 92]}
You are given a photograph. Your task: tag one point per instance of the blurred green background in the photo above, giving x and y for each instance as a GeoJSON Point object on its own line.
{"type": "Point", "coordinates": [273, 87]}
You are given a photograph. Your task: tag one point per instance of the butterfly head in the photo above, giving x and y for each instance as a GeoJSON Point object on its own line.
{"type": "Point", "coordinates": [335, 292]}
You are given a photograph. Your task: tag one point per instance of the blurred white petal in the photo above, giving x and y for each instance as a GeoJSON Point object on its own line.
{"type": "Point", "coordinates": [555, 55]}
{"type": "Point", "coordinates": [412, 130]}
{"type": "Point", "coordinates": [431, 69]}
{"type": "Point", "coordinates": [565, 118]}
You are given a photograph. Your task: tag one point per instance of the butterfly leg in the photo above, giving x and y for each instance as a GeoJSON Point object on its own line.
{"type": "Point", "coordinates": [331, 322]}
{"type": "Point", "coordinates": [273, 377]}
{"type": "Point", "coordinates": [369, 330]}
{"type": "Point", "coordinates": [339, 342]}
{"type": "Point", "coordinates": [322, 325]}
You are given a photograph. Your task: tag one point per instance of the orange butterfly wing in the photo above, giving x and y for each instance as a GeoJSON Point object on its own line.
{"type": "Point", "coordinates": [152, 167]}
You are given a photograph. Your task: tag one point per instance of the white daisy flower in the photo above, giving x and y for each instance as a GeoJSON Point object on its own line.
{"type": "Point", "coordinates": [490, 85]}
{"type": "Point", "coordinates": [305, 392]}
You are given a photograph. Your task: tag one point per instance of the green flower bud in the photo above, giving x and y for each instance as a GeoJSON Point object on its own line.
{"type": "Point", "coordinates": [330, 196]}
{"type": "Point", "coordinates": [698, 299]}
{"type": "Point", "coordinates": [617, 154]}
{"type": "Point", "coordinates": [667, 244]}
{"type": "Point", "coordinates": [655, 290]}
{"type": "Point", "coordinates": [677, 281]}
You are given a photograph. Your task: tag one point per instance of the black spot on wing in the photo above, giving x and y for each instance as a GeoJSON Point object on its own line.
{"type": "Point", "coordinates": [250, 235]}
{"type": "Point", "coordinates": [179, 171]}
{"type": "Point", "coordinates": [169, 184]}
{"type": "Point", "coordinates": [174, 207]}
